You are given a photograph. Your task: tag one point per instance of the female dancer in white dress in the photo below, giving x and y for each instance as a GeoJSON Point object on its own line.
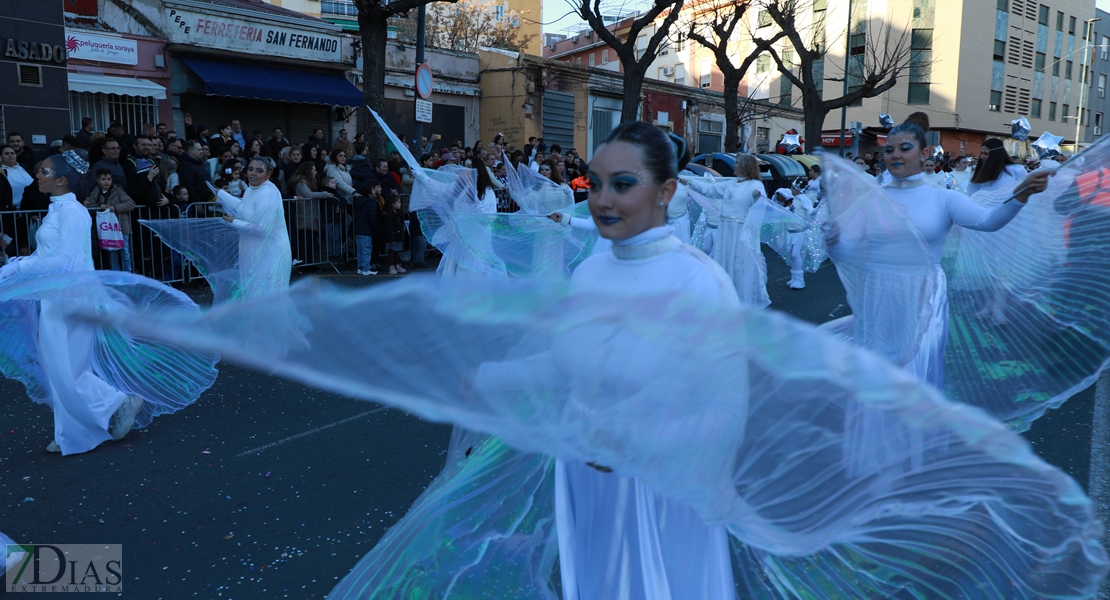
{"type": "Point", "coordinates": [933, 212]}
{"type": "Point", "coordinates": [247, 253]}
{"type": "Point", "coordinates": [87, 410]}
{"type": "Point", "coordinates": [651, 547]}
{"type": "Point", "coordinates": [735, 197]}
{"type": "Point", "coordinates": [994, 170]}
{"type": "Point", "coordinates": [259, 217]}
{"type": "Point", "coordinates": [472, 232]}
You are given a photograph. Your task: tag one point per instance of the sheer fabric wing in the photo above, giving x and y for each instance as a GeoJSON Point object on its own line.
{"type": "Point", "coordinates": [761, 441]}
{"type": "Point", "coordinates": [1029, 304]}
{"type": "Point", "coordinates": [491, 512]}
{"type": "Point", "coordinates": [19, 359]}
{"type": "Point", "coordinates": [168, 378]}
{"type": "Point", "coordinates": [212, 245]}
{"type": "Point", "coordinates": [884, 265]}
{"type": "Point", "coordinates": [534, 193]}
{"type": "Point", "coordinates": [508, 243]}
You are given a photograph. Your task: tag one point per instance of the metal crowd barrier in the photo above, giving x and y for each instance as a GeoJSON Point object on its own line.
{"type": "Point", "coordinates": [149, 256]}
{"type": "Point", "coordinates": [317, 236]}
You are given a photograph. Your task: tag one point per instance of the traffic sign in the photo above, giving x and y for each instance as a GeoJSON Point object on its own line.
{"type": "Point", "coordinates": [424, 81]}
{"type": "Point", "coordinates": [423, 111]}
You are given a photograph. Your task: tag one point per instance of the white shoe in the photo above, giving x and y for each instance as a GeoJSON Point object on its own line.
{"type": "Point", "coordinates": [797, 280]}
{"type": "Point", "coordinates": [297, 261]}
{"type": "Point", "coordinates": [124, 418]}
{"type": "Point", "coordinates": [53, 447]}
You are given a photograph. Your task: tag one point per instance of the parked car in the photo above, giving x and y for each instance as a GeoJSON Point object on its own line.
{"type": "Point", "coordinates": [702, 170]}
{"type": "Point", "coordinates": [783, 171]}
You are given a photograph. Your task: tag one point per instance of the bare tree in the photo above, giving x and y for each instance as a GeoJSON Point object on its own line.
{"type": "Point", "coordinates": [635, 65]}
{"type": "Point", "coordinates": [884, 57]}
{"type": "Point", "coordinates": [468, 24]}
{"type": "Point", "coordinates": [715, 27]}
{"type": "Point", "coordinates": [373, 26]}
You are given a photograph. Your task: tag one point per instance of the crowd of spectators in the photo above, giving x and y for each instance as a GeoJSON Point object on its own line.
{"type": "Point", "coordinates": [340, 187]}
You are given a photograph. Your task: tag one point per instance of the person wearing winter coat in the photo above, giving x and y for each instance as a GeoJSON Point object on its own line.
{"type": "Point", "coordinates": [111, 197]}
{"type": "Point", "coordinates": [366, 222]}
{"type": "Point", "coordinates": [192, 172]}
{"type": "Point", "coordinates": [338, 170]}
{"type": "Point", "coordinates": [393, 233]}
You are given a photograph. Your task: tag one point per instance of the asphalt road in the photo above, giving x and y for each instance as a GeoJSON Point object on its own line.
{"type": "Point", "coordinates": [268, 489]}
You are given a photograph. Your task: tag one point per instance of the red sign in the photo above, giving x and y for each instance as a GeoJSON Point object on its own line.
{"type": "Point", "coordinates": [834, 139]}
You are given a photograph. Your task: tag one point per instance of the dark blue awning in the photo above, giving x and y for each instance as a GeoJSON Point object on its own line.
{"type": "Point", "coordinates": [241, 80]}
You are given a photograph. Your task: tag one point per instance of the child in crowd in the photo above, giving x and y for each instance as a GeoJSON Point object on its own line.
{"type": "Point", "coordinates": [367, 213]}
{"type": "Point", "coordinates": [393, 232]}
{"type": "Point", "coordinates": [233, 174]}
{"type": "Point", "coordinates": [181, 194]}
{"type": "Point", "coordinates": [112, 198]}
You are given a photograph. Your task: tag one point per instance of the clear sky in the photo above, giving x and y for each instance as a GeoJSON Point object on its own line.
{"type": "Point", "coordinates": [559, 14]}
{"type": "Point", "coordinates": [1103, 4]}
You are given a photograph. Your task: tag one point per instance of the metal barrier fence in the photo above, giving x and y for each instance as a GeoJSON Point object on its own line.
{"type": "Point", "coordinates": [145, 252]}
{"type": "Point", "coordinates": [317, 236]}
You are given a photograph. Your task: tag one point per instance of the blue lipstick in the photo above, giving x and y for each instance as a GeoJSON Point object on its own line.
{"type": "Point", "coordinates": [608, 219]}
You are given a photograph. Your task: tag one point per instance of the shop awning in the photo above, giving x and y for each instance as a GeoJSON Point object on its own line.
{"type": "Point", "coordinates": [263, 82]}
{"type": "Point", "coordinates": [122, 86]}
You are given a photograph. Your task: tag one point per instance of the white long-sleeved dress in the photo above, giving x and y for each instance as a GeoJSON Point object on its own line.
{"type": "Point", "coordinates": [729, 248]}
{"type": "Point", "coordinates": [655, 548]}
{"type": "Point", "coordinates": [933, 212]}
{"type": "Point", "coordinates": [265, 258]}
{"type": "Point", "coordinates": [1010, 176]}
{"type": "Point", "coordinates": [474, 233]}
{"type": "Point", "coordinates": [619, 538]}
{"type": "Point", "coordinates": [83, 403]}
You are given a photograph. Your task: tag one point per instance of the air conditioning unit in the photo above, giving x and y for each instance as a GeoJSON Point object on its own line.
{"type": "Point", "coordinates": [668, 71]}
{"type": "Point", "coordinates": [1098, 131]}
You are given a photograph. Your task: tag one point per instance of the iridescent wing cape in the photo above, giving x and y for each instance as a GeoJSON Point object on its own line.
{"type": "Point", "coordinates": [747, 416]}
{"type": "Point", "coordinates": [522, 245]}
{"type": "Point", "coordinates": [166, 377]}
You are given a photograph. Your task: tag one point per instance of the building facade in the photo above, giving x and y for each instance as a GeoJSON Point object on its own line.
{"type": "Point", "coordinates": [1098, 51]}
{"type": "Point", "coordinates": [216, 60]}
{"type": "Point", "coordinates": [975, 65]}
{"type": "Point", "coordinates": [577, 106]}
{"type": "Point", "coordinates": [35, 97]}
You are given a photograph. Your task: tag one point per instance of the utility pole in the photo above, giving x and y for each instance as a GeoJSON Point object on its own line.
{"type": "Point", "coordinates": [847, 57]}
{"type": "Point", "coordinates": [418, 130]}
{"type": "Point", "coordinates": [1087, 26]}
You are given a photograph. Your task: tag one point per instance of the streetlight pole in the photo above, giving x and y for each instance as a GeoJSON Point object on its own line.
{"type": "Point", "coordinates": [1087, 26]}
{"type": "Point", "coordinates": [847, 57]}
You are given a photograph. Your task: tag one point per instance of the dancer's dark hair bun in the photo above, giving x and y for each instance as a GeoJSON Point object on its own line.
{"type": "Point", "coordinates": [920, 119]}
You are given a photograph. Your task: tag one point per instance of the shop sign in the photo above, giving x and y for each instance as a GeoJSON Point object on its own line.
{"type": "Point", "coordinates": [102, 48]}
{"type": "Point", "coordinates": [253, 36]}
{"type": "Point", "coordinates": [33, 50]}
{"type": "Point", "coordinates": [834, 139]}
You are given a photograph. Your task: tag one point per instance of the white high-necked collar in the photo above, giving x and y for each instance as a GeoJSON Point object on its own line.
{"type": "Point", "coordinates": [648, 244]}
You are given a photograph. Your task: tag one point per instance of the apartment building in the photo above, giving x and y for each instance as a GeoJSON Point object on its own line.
{"type": "Point", "coordinates": [1099, 53]}
{"type": "Point", "coordinates": [975, 65]}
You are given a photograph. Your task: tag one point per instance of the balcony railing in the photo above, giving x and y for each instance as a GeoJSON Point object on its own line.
{"type": "Point", "coordinates": [338, 7]}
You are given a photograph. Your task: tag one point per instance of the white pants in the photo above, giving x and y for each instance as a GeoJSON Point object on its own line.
{"type": "Point", "coordinates": [83, 403]}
